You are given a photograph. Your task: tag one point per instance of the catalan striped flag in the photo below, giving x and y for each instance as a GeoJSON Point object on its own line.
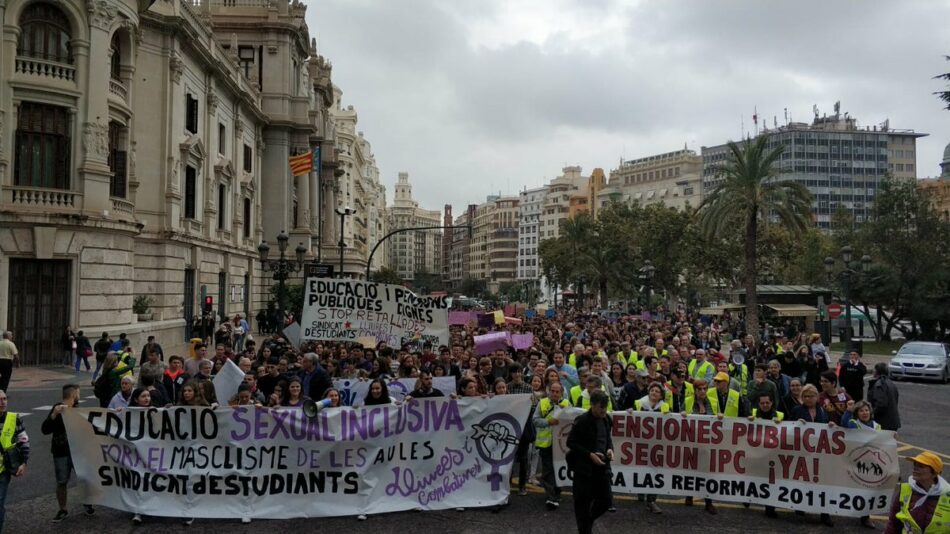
{"type": "Point", "coordinates": [301, 164]}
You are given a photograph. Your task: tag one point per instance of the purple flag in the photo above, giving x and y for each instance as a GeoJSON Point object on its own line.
{"type": "Point", "coordinates": [522, 341]}
{"type": "Point", "coordinates": [461, 317]}
{"type": "Point", "coordinates": [486, 320]}
{"type": "Point", "coordinates": [491, 342]}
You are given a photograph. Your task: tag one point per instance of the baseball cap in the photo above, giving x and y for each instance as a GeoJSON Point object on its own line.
{"type": "Point", "coordinates": [929, 459]}
{"type": "Point", "coordinates": [721, 376]}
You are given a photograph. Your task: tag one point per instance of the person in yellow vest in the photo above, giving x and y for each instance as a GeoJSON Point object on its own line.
{"type": "Point", "coordinates": [725, 401]}
{"type": "Point", "coordinates": [922, 504]}
{"type": "Point", "coordinates": [581, 399]}
{"type": "Point", "coordinates": [700, 368]}
{"type": "Point", "coordinates": [627, 356]}
{"type": "Point", "coordinates": [645, 354]}
{"type": "Point", "coordinates": [652, 402]}
{"type": "Point", "coordinates": [576, 356]}
{"type": "Point", "coordinates": [12, 435]}
{"type": "Point", "coordinates": [698, 404]}
{"type": "Point", "coordinates": [677, 391]}
{"type": "Point", "coordinates": [765, 409]}
{"type": "Point", "coordinates": [126, 359]}
{"type": "Point", "coordinates": [575, 391]}
{"type": "Point", "coordinates": [544, 419]}
{"type": "Point", "coordinates": [723, 367]}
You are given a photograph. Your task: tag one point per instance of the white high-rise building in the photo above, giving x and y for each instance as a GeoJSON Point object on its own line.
{"type": "Point", "coordinates": [532, 202]}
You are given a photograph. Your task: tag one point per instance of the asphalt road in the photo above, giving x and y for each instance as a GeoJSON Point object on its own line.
{"type": "Point", "coordinates": [31, 503]}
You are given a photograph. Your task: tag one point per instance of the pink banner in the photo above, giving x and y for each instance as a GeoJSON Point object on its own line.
{"type": "Point", "coordinates": [462, 317]}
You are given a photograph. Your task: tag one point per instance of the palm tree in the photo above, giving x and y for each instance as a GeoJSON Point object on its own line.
{"type": "Point", "coordinates": [944, 95]}
{"type": "Point", "coordinates": [751, 194]}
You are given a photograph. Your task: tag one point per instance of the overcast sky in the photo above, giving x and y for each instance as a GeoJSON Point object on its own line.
{"type": "Point", "coordinates": [473, 97]}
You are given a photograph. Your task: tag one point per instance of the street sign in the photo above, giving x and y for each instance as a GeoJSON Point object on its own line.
{"type": "Point", "coordinates": [834, 310]}
{"type": "Point", "coordinates": [319, 270]}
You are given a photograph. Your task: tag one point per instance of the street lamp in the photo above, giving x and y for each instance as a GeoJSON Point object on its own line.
{"type": "Point", "coordinates": [646, 275]}
{"type": "Point", "coordinates": [281, 267]}
{"type": "Point", "coordinates": [553, 280]}
{"type": "Point", "coordinates": [343, 213]}
{"type": "Point", "coordinates": [845, 276]}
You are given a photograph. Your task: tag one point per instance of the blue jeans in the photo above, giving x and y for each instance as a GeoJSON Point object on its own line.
{"type": "Point", "coordinates": [83, 359]}
{"type": "Point", "coordinates": [95, 374]}
{"type": "Point", "coordinates": [4, 485]}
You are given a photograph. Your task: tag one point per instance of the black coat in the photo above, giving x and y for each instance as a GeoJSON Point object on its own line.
{"type": "Point", "coordinates": [583, 440]}
{"type": "Point", "coordinates": [883, 396]}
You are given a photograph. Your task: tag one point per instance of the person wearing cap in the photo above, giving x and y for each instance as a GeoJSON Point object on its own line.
{"type": "Point", "coordinates": [634, 389]}
{"type": "Point", "coordinates": [760, 383]}
{"type": "Point", "coordinates": [922, 504]}
{"type": "Point", "coordinates": [726, 401]}
{"type": "Point", "coordinates": [723, 367]}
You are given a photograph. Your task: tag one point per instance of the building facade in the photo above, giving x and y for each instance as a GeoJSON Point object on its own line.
{"type": "Point", "coordinates": [557, 201]}
{"type": "Point", "coordinates": [673, 178]}
{"type": "Point", "coordinates": [360, 191]}
{"type": "Point", "coordinates": [503, 242]}
{"type": "Point", "coordinates": [142, 154]}
{"type": "Point", "coordinates": [530, 204]}
{"type": "Point", "coordinates": [938, 189]}
{"type": "Point", "coordinates": [841, 164]}
{"type": "Point", "coordinates": [413, 252]}
{"type": "Point", "coordinates": [459, 249]}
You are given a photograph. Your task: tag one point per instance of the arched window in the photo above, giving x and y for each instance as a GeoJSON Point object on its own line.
{"type": "Point", "coordinates": [116, 62]}
{"type": "Point", "coordinates": [44, 33]}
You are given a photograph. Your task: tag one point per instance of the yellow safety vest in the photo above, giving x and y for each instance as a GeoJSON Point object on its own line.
{"type": "Point", "coordinates": [126, 359]}
{"type": "Point", "coordinates": [663, 409]}
{"type": "Point", "coordinates": [545, 437]}
{"type": "Point", "coordinates": [939, 523]}
{"type": "Point", "coordinates": [778, 415]}
{"type": "Point", "coordinates": [690, 402]}
{"type": "Point", "coordinates": [732, 403]}
{"type": "Point", "coordinates": [669, 394]}
{"type": "Point", "coordinates": [743, 378]}
{"type": "Point", "coordinates": [6, 435]}
{"type": "Point", "coordinates": [701, 371]}
{"type": "Point", "coordinates": [631, 360]}
{"type": "Point", "coordinates": [578, 393]}
{"type": "Point", "coordinates": [572, 360]}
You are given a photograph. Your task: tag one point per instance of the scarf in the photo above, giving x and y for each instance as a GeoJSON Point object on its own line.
{"type": "Point", "coordinates": [938, 488]}
{"type": "Point", "coordinates": [173, 376]}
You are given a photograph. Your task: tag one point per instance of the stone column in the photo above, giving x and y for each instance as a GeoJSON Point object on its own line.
{"type": "Point", "coordinates": [94, 167]}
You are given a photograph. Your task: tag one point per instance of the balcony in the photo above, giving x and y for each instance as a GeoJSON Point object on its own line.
{"type": "Point", "coordinates": [41, 199]}
{"type": "Point", "coordinates": [117, 88]}
{"type": "Point", "coordinates": [45, 68]}
{"type": "Point", "coordinates": [121, 205]}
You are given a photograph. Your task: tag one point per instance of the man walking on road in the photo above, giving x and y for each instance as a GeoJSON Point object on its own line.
{"type": "Point", "coordinates": [8, 356]}
{"type": "Point", "coordinates": [883, 396]}
{"type": "Point", "coordinates": [12, 436]}
{"type": "Point", "coordinates": [59, 446]}
{"type": "Point", "coordinates": [589, 455]}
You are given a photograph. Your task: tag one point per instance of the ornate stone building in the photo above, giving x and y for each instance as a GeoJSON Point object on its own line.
{"type": "Point", "coordinates": [143, 154]}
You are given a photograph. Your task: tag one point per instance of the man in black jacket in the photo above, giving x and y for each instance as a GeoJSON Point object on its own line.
{"type": "Point", "coordinates": [883, 395]}
{"type": "Point", "coordinates": [590, 451]}
{"type": "Point", "coordinates": [59, 446]}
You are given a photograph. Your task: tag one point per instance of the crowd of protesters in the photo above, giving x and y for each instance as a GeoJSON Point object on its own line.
{"type": "Point", "coordinates": [671, 362]}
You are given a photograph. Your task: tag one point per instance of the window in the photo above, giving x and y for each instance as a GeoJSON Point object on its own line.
{"type": "Point", "coordinates": [42, 146]}
{"type": "Point", "coordinates": [45, 33]}
{"type": "Point", "coordinates": [191, 190]}
{"type": "Point", "coordinates": [115, 62]}
{"type": "Point", "coordinates": [247, 218]}
{"type": "Point", "coordinates": [222, 139]}
{"type": "Point", "coordinates": [248, 156]}
{"type": "Point", "coordinates": [191, 113]}
{"type": "Point", "coordinates": [246, 59]}
{"type": "Point", "coordinates": [222, 205]}
{"type": "Point", "coordinates": [117, 161]}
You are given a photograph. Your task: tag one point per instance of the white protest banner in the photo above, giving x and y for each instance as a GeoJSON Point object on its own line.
{"type": "Point", "coordinates": [353, 391]}
{"type": "Point", "coordinates": [431, 454]}
{"type": "Point", "coordinates": [227, 382]}
{"type": "Point", "coordinates": [348, 310]}
{"type": "Point", "coordinates": [798, 466]}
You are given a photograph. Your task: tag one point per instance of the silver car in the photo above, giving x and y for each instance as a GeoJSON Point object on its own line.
{"type": "Point", "coordinates": [921, 359]}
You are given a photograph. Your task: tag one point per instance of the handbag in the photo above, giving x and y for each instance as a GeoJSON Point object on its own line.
{"type": "Point", "coordinates": [88, 352]}
{"type": "Point", "coordinates": [12, 458]}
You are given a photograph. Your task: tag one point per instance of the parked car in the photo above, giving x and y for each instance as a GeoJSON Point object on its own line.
{"type": "Point", "coordinates": [921, 359]}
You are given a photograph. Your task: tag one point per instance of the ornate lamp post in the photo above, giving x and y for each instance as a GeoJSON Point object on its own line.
{"type": "Point", "coordinates": [553, 280]}
{"type": "Point", "coordinates": [343, 213]}
{"type": "Point", "coordinates": [646, 276]}
{"type": "Point", "coordinates": [845, 277]}
{"type": "Point", "coordinates": [281, 267]}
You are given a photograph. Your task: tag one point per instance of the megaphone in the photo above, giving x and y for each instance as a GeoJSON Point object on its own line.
{"type": "Point", "coordinates": [738, 358]}
{"type": "Point", "coordinates": [311, 407]}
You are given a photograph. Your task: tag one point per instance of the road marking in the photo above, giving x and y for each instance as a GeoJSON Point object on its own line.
{"type": "Point", "coordinates": [44, 408]}
{"type": "Point", "coordinates": [906, 446]}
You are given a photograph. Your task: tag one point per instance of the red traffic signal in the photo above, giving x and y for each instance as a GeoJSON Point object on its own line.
{"type": "Point", "coordinates": [209, 302]}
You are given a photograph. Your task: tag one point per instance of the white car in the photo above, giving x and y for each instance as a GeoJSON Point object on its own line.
{"type": "Point", "coordinates": [921, 359]}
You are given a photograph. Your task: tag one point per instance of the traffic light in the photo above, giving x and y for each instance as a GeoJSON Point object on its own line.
{"type": "Point", "coordinates": [209, 302]}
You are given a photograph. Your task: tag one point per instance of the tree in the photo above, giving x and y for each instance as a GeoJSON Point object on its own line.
{"type": "Point", "coordinates": [944, 95]}
{"type": "Point", "coordinates": [751, 193]}
{"type": "Point", "coordinates": [385, 275]}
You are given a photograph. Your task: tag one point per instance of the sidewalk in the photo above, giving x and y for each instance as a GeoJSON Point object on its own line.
{"type": "Point", "coordinates": [35, 377]}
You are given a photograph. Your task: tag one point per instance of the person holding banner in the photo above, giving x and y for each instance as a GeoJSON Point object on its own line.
{"type": "Point", "coordinates": [378, 393]}
{"type": "Point", "coordinates": [544, 419]}
{"type": "Point", "coordinates": [59, 447]}
{"type": "Point", "coordinates": [922, 504]}
{"type": "Point", "coordinates": [652, 402]}
{"type": "Point", "coordinates": [295, 397]}
{"type": "Point", "coordinates": [590, 451]}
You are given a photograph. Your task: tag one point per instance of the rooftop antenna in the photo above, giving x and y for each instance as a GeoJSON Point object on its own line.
{"type": "Point", "coordinates": [786, 116]}
{"type": "Point", "coordinates": [755, 118]}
